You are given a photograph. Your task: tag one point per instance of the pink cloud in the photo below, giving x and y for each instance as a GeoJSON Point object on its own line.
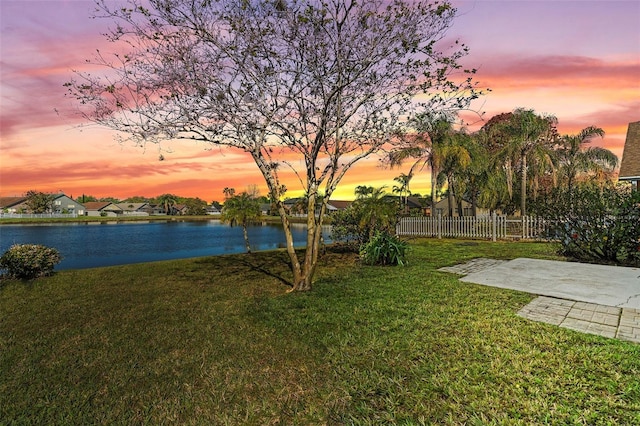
{"type": "Point", "coordinates": [515, 72]}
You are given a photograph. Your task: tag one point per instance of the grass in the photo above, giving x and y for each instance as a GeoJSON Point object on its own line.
{"type": "Point", "coordinates": [218, 341]}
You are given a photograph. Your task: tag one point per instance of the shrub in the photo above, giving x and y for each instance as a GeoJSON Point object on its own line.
{"type": "Point", "coordinates": [596, 224]}
{"type": "Point", "coordinates": [366, 216]}
{"type": "Point", "coordinates": [29, 260]}
{"type": "Point", "coordinates": [384, 249]}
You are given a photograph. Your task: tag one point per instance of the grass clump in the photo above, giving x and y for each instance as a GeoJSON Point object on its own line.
{"type": "Point", "coordinates": [217, 341]}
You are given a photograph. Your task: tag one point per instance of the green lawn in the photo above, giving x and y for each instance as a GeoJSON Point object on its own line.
{"type": "Point", "coordinates": [218, 341]}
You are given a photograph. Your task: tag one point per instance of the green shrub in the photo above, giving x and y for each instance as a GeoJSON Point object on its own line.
{"type": "Point", "coordinates": [29, 260]}
{"type": "Point", "coordinates": [595, 224]}
{"type": "Point", "coordinates": [367, 215]}
{"type": "Point", "coordinates": [384, 249]}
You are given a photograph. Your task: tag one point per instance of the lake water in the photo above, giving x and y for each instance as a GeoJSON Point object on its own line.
{"type": "Point", "coordinates": [89, 245]}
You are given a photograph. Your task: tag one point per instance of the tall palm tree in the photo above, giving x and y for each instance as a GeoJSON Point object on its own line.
{"type": "Point", "coordinates": [574, 158]}
{"type": "Point", "coordinates": [403, 187]}
{"type": "Point", "coordinates": [241, 209]}
{"type": "Point", "coordinates": [167, 201]}
{"type": "Point", "coordinates": [426, 146]}
{"type": "Point", "coordinates": [455, 160]}
{"type": "Point", "coordinates": [527, 135]}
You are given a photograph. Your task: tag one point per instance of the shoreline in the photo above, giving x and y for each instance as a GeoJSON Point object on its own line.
{"type": "Point", "coordinates": [118, 219]}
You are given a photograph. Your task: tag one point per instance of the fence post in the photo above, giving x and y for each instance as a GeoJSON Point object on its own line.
{"type": "Point", "coordinates": [494, 227]}
{"type": "Point", "coordinates": [439, 226]}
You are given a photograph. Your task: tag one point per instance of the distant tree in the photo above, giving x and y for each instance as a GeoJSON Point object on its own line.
{"type": "Point", "coordinates": [527, 138]}
{"type": "Point", "coordinates": [475, 181]}
{"type": "Point", "coordinates": [575, 158]}
{"type": "Point", "coordinates": [308, 86]}
{"type": "Point", "coordinates": [240, 210]}
{"type": "Point", "coordinates": [39, 202]}
{"type": "Point", "coordinates": [86, 199]}
{"type": "Point", "coordinates": [137, 199]}
{"type": "Point", "coordinates": [195, 206]}
{"type": "Point", "coordinates": [402, 189]}
{"type": "Point", "coordinates": [228, 192]}
{"type": "Point", "coordinates": [109, 200]}
{"type": "Point", "coordinates": [425, 144]}
{"type": "Point", "coordinates": [455, 160]}
{"type": "Point", "coordinates": [168, 202]}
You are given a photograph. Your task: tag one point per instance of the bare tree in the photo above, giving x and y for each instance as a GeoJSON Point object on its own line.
{"type": "Point", "coordinates": [312, 86]}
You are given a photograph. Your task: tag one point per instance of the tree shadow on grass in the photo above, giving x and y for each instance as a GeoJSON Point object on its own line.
{"type": "Point", "coordinates": [272, 264]}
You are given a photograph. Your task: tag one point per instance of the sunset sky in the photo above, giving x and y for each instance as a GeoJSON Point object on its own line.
{"type": "Point", "coordinates": [578, 60]}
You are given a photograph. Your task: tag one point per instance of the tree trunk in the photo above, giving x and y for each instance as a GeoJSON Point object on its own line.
{"type": "Point", "coordinates": [246, 237]}
{"type": "Point", "coordinates": [450, 199]}
{"type": "Point", "coordinates": [434, 177]}
{"type": "Point", "coordinates": [523, 188]}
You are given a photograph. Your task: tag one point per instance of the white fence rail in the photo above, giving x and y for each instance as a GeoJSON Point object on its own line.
{"type": "Point", "coordinates": [483, 227]}
{"type": "Point", "coordinates": [36, 215]}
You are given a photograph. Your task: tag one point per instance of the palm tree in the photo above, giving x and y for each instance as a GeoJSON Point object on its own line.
{"type": "Point", "coordinates": [378, 214]}
{"type": "Point", "coordinates": [241, 209]}
{"type": "Point", "coordinates": [574, 159]}
{"type": "Point", "coordinates": [528, 135]}
{"type": "Point", "coordinates": [474, 179]}
{"type": "Point", "coordinates": [455, 160]}
{"type": "Point", "coordinates": [403, 188]}
{"type": "Point", "coordinates": [167, 201]}
{"type": "Point", "coordinates": [426, 146]}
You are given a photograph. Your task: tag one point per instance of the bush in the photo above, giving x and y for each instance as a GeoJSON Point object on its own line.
{"type": "Point", "coordinates": [29, 260]}
{"type": "Point", "coordinates": [384, 249]}
{"type": "Point", "coordinates": [357, 224]}
{"type": "Point", "coordinates": [595, 224]}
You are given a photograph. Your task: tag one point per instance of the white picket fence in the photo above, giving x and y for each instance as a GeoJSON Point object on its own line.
{"type": "Point", "coordinates": [482, 227]}
{"type": "Point", "coordinates": [37, 215]}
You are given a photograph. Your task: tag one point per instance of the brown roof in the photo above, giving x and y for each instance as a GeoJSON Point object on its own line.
{"type": "Point", "coordinates": [99, 205]}
{"type": "Point", "coordinates": [11, 201]}
{"type": "Point", "coordinates": [340, 205]}
{"type": "Point", "coordinates": [630, 166]}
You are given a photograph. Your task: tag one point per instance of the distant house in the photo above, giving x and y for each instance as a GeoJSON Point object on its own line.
{"type": "Point", "coordinates": [134, 209]}
{"type": "Point", "coordinates": [179, 209]}
{"type": "Point", "coordinates": [337, 205]}
{"type": "Point", "coordinates": [155, 209]}
{"type": "Point", "coordinates": [13, 204]}
{"type": "Point", "coordinates": [265, 209]}
{"type": "Point", "coordinates": [422, 204]}
{"type": "Point", "coordinates": [295, 206]}
{"type": "Point", "coordinates": [66, 205]}
{"type": "Point", "coordinates": [102, 208]}
{"type": "Point", "coordinates": [213, 210]}
{"type": "Point", "coordinates": [60, 204]}
{"type": "Point", "coordinates": [630, 165]}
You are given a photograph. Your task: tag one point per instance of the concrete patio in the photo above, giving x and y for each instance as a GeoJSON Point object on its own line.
{"type": "Point", "coordinates": [596, 299]}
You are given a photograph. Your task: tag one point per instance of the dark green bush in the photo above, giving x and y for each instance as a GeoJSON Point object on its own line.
{"type": "Point", "coordinates": [595, 224]}
{"type": "Point", "coordinates": [29, 260]}
{"type": "Point", "coordinates": [384, 249]}
{"type": "Point", "coordinates": [357, 224]}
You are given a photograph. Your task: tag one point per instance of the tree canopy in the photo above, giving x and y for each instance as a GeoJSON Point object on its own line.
{"type": "Point", "coordinates": [310, 87]}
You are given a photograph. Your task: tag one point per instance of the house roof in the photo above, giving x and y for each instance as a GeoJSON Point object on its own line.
{"type": "Point", "coordinates": [11, 201]}
{"type": "Point", "coordinates": [630, 166]}
{"type": "Point", "coordinates": [134, 206]}
{"type": "Point", "coordinates": [339, 205]}
{"type": "Point", "coordinates": [100, 205]}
